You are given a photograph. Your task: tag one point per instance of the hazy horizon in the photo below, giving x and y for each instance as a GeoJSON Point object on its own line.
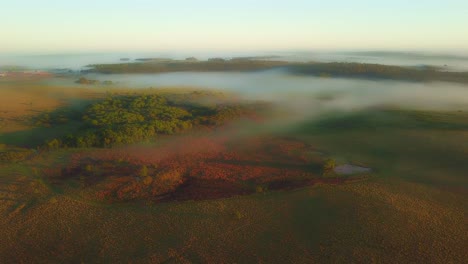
{"type": "Point", "coordinates": [253, 52]}
{"type": "Point", "coordinates": [51, 27]}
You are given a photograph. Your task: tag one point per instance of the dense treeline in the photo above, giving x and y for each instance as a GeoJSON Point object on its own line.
{"type": "Point", "coordinates": [83, 80]}
{"type": "Point", "coordinates": [378, 71]}
{"type": "Point", "coordinates": [335, 69]}
{"type": "Point", "coordinates": [181, 66]}
{"type": "Point", "coordinates": [128, 119]}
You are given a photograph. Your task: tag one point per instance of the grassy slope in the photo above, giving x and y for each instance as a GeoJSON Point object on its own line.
{"type": "Point", "coordinates": [427, 147]}
{"type": "Point", "coordinates": [413, 210]}
{"type": "Point", "coordinates": [384, 221]}
{"type": "Point", "coordinates": [20, 99]}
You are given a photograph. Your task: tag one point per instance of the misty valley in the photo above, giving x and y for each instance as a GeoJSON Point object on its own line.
{"type": "Point", "coordinates": [228, 159]}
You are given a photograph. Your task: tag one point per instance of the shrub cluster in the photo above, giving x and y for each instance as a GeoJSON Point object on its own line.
{"type": "Point", "coordinates": [128, 119]}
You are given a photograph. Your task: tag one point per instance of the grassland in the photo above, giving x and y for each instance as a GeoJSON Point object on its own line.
{"type": "Point", "coordinates": [422, 146]}
{"type": "Point", "coordinates": [374, 221]}
{"type": "Point", "coordinates": [412, 208]}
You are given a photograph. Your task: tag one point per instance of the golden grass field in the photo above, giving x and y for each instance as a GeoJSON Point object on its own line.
{"type": "Point", "coordinates": [405, 212]}
{"type": "Point", "coordinates": [373, 221]}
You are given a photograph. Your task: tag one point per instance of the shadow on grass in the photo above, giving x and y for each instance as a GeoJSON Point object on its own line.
{"type": "Point", "coordinates": [48, 125]}
{"type": "Point", "coordinates": [381, 119]}
{"type": "Point", "coordinates": [310, 167]}
{"type": "Point", "coordinates": [426, 147]}
{"type": "Point", "coordinates": [36, 137]}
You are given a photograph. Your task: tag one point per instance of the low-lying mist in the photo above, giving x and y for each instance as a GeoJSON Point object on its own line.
{"type": "Point", "coordinates": [308, 96]}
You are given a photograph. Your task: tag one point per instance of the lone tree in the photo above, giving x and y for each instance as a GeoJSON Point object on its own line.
{"type": "Point", "coordinates": [328, 166]}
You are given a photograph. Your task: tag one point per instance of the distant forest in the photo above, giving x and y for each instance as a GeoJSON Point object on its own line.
{"type": "Point", "coordinates": [334, 69]}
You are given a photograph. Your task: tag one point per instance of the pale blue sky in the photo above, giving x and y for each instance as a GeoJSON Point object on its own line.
{"type": "Point", "coordinates": [152, 25]}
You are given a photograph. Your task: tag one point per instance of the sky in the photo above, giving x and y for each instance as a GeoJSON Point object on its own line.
{"type": "Point", "coordinates": [241, 25]}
